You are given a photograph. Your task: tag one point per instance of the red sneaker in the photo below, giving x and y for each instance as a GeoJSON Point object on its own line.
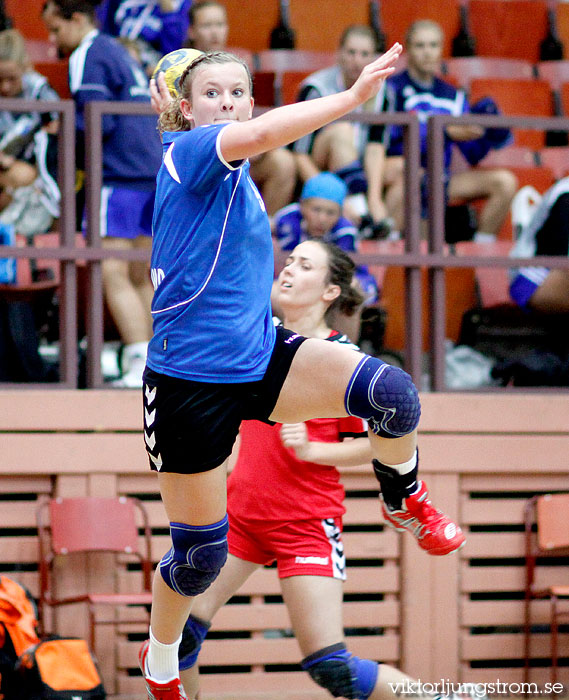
{"type": "Point", "coordinates": [434, 531]}
{"type": "Point", "coordinates": [168, 690]}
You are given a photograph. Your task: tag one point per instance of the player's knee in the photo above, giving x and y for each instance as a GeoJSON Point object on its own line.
{"type": "Point", "coordinates": [385, 397]}
{"type": "Point", "coordinates": [343, 675]}
{"type": "Point", "coordinates": [195, 631]}
{"type": "Point", "coordinates": [504, 182]}
{"type": "Point", "coordinates": [198, 552]}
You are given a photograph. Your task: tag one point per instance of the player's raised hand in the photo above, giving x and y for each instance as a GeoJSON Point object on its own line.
{"type": "Point", "coordinates": [160, 96]}
{"type": "Point", "coordinates": [372, 76]}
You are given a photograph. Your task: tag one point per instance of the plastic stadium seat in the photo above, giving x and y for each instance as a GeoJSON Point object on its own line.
{"type": "Point", "coordinates": [289, 86]}
{"type": "Point", "coordinates": [57, 74]}
{"type": "Point", "coordinates": [556, 158]}
{"type": "Point", "coordinates": [511, 157]}
{"type": "Point", "coordinates": [460, 296]}
{"type": "Point", "coordinates": [318, 25]}
{"type": "Point", "coordinates": [248, 27]}
{"type": "Point", "coordinates": [465, 69]}
{"type": "Point", "coordinates": [397, 15]}
{"type": "Point", "coordinates": [288, 68]}
{"type": "Point", "coordinates": [281, 60]}
{"type": "Point", "coordinates": [512, 29]}
{"type": "Point", "coordinates": [492, 282]}
{"type": "Point", "coordinates": [546, 535]}
{"type": "Point", "coordinates": [562, 24]}
{"type": "Point", "coordinates": [40, 50]}
{"type": "Point", "coordinates": [264, 88]}
{"type": "Point", "coordinates": [26, 15]}
{"type": "Point", "coordinates": [71, 526]}
{"type": "Point", "coordinates": [518, 98]}
{"type": "Point", "coordinates": [538, 176]}
{"type": "Point", "coordinates": [555, 72]}
{"type": "Point", "coordinates": [564, 95]}
{"type": "Point", "coordinates": [244, 54]}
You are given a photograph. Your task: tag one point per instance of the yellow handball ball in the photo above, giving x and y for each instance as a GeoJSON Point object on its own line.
{"type": "Point", "coordinates": [173, 64]}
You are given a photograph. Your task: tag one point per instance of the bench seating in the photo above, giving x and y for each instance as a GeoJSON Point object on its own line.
{"type": "Point", "coordinates": [457, 617]}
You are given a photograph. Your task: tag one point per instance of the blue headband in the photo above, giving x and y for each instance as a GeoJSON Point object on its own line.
{"type": "Point", "coordinates": [325, 186]}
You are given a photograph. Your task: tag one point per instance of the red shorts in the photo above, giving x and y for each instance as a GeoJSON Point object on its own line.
{"type": "Point", "coordinates": [303, 547]}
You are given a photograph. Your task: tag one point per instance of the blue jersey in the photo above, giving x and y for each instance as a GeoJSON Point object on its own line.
{"type": "Point", "coordinates": [438, 98]}
{"type": "Point", "coordinates": [133, 19]}
{"type": "Point", "coordinates": [212, 265]}
{"type": "Point", "coordinates": [290, 230]}
{"type": "Point", "coordinates": [101, 68]}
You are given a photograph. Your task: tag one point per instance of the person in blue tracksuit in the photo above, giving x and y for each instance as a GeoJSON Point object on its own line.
{"type": "Point", "coordinates": [100, 68]}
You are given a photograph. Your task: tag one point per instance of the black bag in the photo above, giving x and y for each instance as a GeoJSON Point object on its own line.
{"type": "Point", "coordinates": [507, 333]}
{"type": "Point", "coordinates": [59, 668]}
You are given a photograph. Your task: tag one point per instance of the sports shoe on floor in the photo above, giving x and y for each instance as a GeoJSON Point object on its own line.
{"type": "Point", "coordinates": [168, 690]}
{"type": "Point", "coordinates": [434, 531]}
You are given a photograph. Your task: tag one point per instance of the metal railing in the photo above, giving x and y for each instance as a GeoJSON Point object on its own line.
{"type": "Point", "coordinates": [436, 259]}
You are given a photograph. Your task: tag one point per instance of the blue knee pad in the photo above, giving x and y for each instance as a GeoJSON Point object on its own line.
{"type": "Point", "coordinates": [196, 557]}
{"type": "Point", "coordinates": [385, 397]}
{"type": "Point", "coordinates": [343, 675]}
{"type": "Point", "coordinates": [195, 631]}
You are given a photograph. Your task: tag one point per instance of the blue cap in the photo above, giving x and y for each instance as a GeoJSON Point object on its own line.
{"type": "Point", "coordinates": [325, 186]}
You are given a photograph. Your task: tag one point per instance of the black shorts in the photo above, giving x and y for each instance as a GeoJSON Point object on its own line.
{"type": "Point", "coordinates": [190, 427]}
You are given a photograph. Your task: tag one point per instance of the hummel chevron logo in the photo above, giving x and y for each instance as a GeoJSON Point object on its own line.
{"type": "Point", "coordinates": [150, 440]}
{"type": "Point", "coordinates": [150, 394]}
{"type": "Point", "coordinates": [149, 416]}
{"type": "Point", "coordinates": [157, 461]}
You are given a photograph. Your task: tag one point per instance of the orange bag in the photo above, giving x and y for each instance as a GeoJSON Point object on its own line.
{"type": "Point", "coordinates": [59, 668]}
{"type": "Point", "coordinates": [18, 625]}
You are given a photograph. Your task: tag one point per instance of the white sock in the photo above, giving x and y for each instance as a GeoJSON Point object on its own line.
{"type": "Point", "coordinates": [162, 660]}
{"type": "Point", "coordinates": [483, 237]}
{"type": "Point", "coordinates": [404, 467]}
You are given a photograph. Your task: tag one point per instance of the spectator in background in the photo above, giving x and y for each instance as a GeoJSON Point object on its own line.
{"type": "Point", "coordinates": [29, 201]}
{"type": "Point", "coordinates": [208, 28]}
{"type": "Point", "coordinates": [273, 172]}
{"type": "Point", "coordinates": [100, 68]}
{"type": "Point", "coordinates": [318, 216]}
{"type": "Point", "coordinates": [354, 151]}
{"type": "Point", "coordinates": [157, 26]}
{"type": "Point", "coordinates": [29, 194]}
{"type": "Point", "coordinates": [546, 232]}
{"type": "Point", "coordinates": [419, 90]}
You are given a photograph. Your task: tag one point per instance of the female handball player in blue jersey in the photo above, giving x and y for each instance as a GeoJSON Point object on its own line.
{"type": "Point", "coordinates": [216, 358]}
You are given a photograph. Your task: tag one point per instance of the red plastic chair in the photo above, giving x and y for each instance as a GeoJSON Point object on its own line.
{"type": "Point", "coordinates": [512, 29]}
{"type": "Point", "coordinates": [280, 60]}
{"type": "Point", "coordinates": [517, 97]}
{"type": "Point", "coordinates": [492, 282]}
{"type": "Point", "coordinates": [562, 24]}
{"type": "Point", "coordinates": [70, 526]}
{"type": "Point", "coordinates": [57, 73]}
{"type": "Point", "coordinates": [555, 72]}
{"type": "Point", "coordinates": [41, 50]}
{"type": "Point", "coordinates": [546, 534]}
{"type": "Point", "coordinates": [318, 25]}
{"type": "Point", "coordinates": [556, 158]}
{"type": "Point", "coordinates": [464, 69]}
{"type": "Point", "coordinates": [511, 157]}
{"type": "Point", "coordinates": [396, 16]}
{"type": "Point", "coordinates": [564, 96]}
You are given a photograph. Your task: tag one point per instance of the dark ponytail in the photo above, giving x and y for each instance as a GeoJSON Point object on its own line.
{"type": "Point", "coordinates": [341, 270]}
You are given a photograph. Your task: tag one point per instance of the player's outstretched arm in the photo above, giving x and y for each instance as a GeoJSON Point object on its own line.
{"type": "Point", "coordinates": [283, 125]}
